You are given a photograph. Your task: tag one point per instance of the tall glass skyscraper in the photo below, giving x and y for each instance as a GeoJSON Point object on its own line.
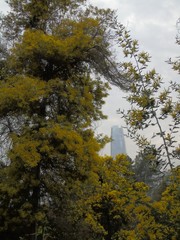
{"type": "Point", "coordinates": [118, 143]}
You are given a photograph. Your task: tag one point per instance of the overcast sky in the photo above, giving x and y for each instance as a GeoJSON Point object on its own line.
{"type": "Point", "coordinates": [153, 24]}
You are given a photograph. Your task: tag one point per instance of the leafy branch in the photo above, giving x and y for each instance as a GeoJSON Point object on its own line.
{"type": "Point", "coordinates": [152, 107]}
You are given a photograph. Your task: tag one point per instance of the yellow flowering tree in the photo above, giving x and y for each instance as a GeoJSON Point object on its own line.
{"type": "Point", "coordinates": [118, 207]}
{"type": "Point", "coordinates": [167, 210]}
{"type": "Point", "coordinates": [51, 92]}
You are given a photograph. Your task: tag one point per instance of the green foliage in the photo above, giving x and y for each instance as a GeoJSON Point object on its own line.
{"type": "Point", "coordinates": [176, 63]}
{"type": "Point", "coordinates": [147, 170]}
{"type": "Point", "coordinates": [48, 103]}
{"type": "Point", "coordinates": [117, 206]}
{"type": "Point", "coordinates": [151, 105]}
{"type": "Point", "coordinates": [167, 210]}
{"type": "Point", "coordinates": [53, 183]}
{"type": "Point", "coordinates": [3, 56]}
{"type": "Point", "coordinates": [111, 208]}
{"type": "Point", "coordinates": [66, 33]}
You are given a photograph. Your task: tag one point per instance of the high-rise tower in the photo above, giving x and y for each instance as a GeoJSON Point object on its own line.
{"type": "Point", "coordinates": [118, 143]}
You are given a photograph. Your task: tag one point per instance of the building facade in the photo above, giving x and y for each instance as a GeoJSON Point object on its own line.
{"type": "Point", "coordinates": [118, 142]}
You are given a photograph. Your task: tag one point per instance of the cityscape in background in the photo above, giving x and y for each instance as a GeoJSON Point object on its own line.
{"type": "Point", "coordinates": [118, 145]}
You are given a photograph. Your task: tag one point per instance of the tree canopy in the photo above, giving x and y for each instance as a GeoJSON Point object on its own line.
{"type": "Point", "coordinates": [56, 64]}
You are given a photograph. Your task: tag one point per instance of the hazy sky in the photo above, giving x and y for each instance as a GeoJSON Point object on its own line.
{"type": "Point", "coordinates": [153, 24]}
